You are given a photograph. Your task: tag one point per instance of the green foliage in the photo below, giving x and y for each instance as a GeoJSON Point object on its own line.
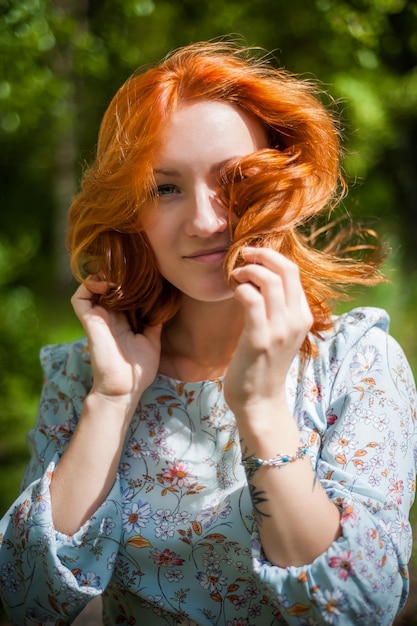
{"type": "Point", "coordinates": [19, 345]}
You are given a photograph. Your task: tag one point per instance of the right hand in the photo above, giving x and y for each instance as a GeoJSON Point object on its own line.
{"type": "Point", "coordinates": [124, 364]}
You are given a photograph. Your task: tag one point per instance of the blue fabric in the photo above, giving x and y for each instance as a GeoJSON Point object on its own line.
{"type": "Point", "coordinates": [176, 542]}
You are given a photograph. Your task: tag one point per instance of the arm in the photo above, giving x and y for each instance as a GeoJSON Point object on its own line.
{"type": "Point", "coordinates": [360, 577]}
{"type": "Point", "coordinates": [58, 538]}
{"type": "Point", "coordinates": [88, 467]}
{"type": "Point", "coordinates": [41, 569]}
{"type": "Point", "coordinates": [365, 460]}
{"type": "Point", "coordinates": [277, 321]}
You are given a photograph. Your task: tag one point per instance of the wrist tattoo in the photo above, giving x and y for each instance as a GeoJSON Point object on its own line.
{"type": "Point", "coordinates": [258, 497]}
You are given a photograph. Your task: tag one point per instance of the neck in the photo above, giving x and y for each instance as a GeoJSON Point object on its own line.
{"type": "Point", "coordinates": [199, 342]}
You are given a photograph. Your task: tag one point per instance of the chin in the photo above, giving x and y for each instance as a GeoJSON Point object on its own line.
{"type": "Point", "coordinates": [207, 297]}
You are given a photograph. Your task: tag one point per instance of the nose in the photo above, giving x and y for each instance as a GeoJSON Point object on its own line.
{"type": "Point", "coordinates": [207, 215]}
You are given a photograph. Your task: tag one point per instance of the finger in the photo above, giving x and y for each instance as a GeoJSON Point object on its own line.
{"type": "Point", "coordinates": [97, 285]}
{"type": "Point", "coordinates": [280, 265]}
{"type": "Point", "coordinates": [81, 300]}
{"type": "Point", "coordinates": [267, 284]}
{"type": "Point", "coordinates": [256, 324]}
{"type": "Point", "coordinates": [84, 308]}
{"type": "Point", "coordinates": [265, 256]}
{"type": "Point", "coordinates": [282, 299]}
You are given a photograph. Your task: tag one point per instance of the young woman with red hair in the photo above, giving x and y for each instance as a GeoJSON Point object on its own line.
{"type": "Point", "coordinates": [220, 449]}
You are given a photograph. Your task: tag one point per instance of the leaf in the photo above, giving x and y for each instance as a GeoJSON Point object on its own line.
{"type": "Point", "coordinates": [185, 540]}
{"type": "Point", "coordinates": [298, 609]}
{"type": "Point", "coordinates": [233, 598]}
{"type": "Point", "coordinates": [64, 607]}
{"type": "Point", "coordinates": [341, 459]}
{"type": "Point", "coordinates": [217, 537]}
{"type": "Point", "coordinates": [302, 578]}
{"type": "Point", "coordinates": [358, 462]}
{"type": "Point", "coordinates": [219, 383]}
{"type": "Point", "coordinates": [361, 452]}
{"type": "Point", "coordinates": [228, 445]}
{"type": "Point", "coordinates": [137, 541]}
{"type": "Point", "coordinates": [163, 399]}
{"type": "Point", "coordinates": [369, 381]}
{"type": "Point", "coordinates": [232, 587]}
{"type": "Point", "coordinates": [197, 527]}
{"type": "Point", "coordinates": [54, 604]}
{"type": "Point", "coordinates": [216, 597]}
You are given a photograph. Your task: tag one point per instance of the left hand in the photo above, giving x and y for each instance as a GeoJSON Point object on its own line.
{"type": "Point", "coordinates": [277, 319]}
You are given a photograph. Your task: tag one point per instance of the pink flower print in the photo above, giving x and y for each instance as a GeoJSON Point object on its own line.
{"type": "Point", "coordinates": [348, 514]}
{"type": "Point", "coordinates": [331, 419]}
{"type": "Point", "coordinates": [344, 563]}
{"type": "Point", "coordinates": [166, 558]}
{"type": "Point", "coordinates": [178, 473]}
{"type": "Point", "coordinates": [312, 390]}
{"type": "Point", "coordinates": [397, 489]}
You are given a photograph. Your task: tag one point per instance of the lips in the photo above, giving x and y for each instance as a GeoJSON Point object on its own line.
{"type": "Point", "coordinates": [209, 255]}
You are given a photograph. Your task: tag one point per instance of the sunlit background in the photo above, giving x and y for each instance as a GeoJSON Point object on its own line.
{"type": "Point", "coordinates": [62, 60]}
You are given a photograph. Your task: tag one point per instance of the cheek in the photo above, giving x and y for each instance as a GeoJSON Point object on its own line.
{"type": "Point", "coordinates": [162, 244]}
{"type": "Point", "coordinates": [160, 237]}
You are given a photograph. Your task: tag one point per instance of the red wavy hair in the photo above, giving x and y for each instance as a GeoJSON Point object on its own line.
{"type": "Point", "coordinates": [276, 193]}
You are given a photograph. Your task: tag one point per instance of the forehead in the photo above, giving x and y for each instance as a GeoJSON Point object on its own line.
{"type": "Point", "coordinates": [207, 125]}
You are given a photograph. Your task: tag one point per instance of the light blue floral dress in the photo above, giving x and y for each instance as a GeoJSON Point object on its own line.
{"type": "Point", "coordinates": [175, 542]}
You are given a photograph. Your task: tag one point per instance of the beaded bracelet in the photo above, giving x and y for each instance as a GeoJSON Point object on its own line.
{"type": "Point", "coordinates": [252, 463]}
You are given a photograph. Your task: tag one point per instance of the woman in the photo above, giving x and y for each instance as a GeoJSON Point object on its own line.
{"type": "Point", "coordinates": [219, 450]}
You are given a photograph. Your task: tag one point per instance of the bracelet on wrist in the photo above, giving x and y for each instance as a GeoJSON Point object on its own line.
{"type": "Point", "coordinates": [280, 460]}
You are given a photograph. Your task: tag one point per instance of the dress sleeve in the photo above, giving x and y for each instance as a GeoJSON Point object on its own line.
{"type": "Point", "coordinates": [366, 461]}
{"type": "Point", "coordinates": [45, 575]}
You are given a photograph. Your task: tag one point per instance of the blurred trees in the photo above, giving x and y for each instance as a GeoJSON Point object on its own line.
{"type": "Point", "coordinates": [62, 60]}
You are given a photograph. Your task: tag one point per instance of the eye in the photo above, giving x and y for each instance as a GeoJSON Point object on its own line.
{"type": "Point", "coordinates": [166, 190]}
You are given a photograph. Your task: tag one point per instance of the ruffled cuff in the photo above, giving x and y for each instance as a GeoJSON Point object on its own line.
{"type": "Point", "coordinates": [55, 575]}
{"type": "Point", "coordinates": [359, 579]}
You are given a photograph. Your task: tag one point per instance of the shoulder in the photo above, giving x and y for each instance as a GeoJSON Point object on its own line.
{"type": "Point", "coordinates": [351, 328]}
{"type": "Point", "coordinates": [67, 367]}
{"type": "Point", "coordinates": [358, 342]}
{"type": "Point", "coordinates": [360, 350]}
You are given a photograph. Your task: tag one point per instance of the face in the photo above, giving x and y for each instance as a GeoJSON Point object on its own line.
{"type": "Point", "coordinates": [190, 233]}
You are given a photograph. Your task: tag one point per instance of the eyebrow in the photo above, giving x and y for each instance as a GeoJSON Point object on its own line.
{"type": "Point", "coordinates": [166, 171]}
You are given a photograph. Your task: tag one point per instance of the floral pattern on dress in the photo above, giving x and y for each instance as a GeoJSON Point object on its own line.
{"type": "Point", "coordinates": [176, 541]}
